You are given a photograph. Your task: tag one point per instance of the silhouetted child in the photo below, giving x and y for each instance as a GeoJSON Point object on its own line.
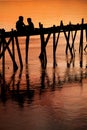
{"type": "Point", "coordinates": [20, 26]}
{"type": "Point", "coordinates": [30, 26]}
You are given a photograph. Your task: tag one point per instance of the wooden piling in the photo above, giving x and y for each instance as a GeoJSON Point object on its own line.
{"type": "Point", "coordinates": [55, 44]}
{"type": "Point", "coordinates": [0, 44]}
{"type": "Point", "coordinates": [54, 49]}
{"type": "Point", "coordinates": [43, 56]}
{"type": "Point", "coordinates": [81, 45]}
{"type": "Point", "coordinates": [19, 53]}
{"type": "Point", "coordinates": [13, 50]}
{"type": "Point", "coordinates": [6, 44]}
{"type": "Point", "coordinates": [2, 48]}
{"type": "Point", "coordinates": [73, 41]}
{"type": "Point", "coordinates": [27, 47]}
{"type": "Point", "coordinates": [67, 36]}
{"type": "Point", "coordinates": [3, 62]}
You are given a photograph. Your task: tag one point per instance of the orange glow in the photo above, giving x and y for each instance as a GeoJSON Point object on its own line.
{"type": "Point", "coordinates": [46, 12]}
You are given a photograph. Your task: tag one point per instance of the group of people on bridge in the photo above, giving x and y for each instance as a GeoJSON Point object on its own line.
{"type": "Point", "coordinates": [21, 27]}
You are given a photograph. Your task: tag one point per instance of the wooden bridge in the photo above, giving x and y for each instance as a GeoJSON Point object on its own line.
{"type": "Point", "coordinates": [66, 29]}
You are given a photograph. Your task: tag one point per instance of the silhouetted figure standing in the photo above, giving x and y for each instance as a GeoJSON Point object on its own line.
{"type": "Point", "coordinates": [20, 26]}
{"type": "Point", "coordinates": [29, 30]}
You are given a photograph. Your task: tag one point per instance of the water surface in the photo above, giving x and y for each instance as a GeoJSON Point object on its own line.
{"type": "Point", "coordinates": [44, 99]}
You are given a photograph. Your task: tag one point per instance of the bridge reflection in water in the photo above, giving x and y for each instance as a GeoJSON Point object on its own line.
{"type": "Point", "coordinates": [25, 91]}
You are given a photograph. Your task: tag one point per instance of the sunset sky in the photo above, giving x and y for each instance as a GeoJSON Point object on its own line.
{"type": "Point", "coordinates": [48, 12]}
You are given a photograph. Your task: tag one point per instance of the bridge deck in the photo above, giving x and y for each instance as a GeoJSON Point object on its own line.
{"type": "Point", "coordinates": [56, 29]}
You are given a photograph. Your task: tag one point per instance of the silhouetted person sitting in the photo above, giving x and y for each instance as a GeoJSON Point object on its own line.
{"type": "Point", "coordinates": [20, 26]}
{"type": "Point", "coordinates": [30, 26]}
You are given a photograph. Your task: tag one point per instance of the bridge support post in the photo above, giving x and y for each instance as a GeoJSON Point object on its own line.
{"type": "Point", "coordinates": [19, 53]}
{"type": "Point", "coordinates": [3, 61]}
{"type": "Point", "coordinates": [67, 36]}
{"type": "Point", "coordinates": [55, 43]}
{"type": "Point", "coordinates": [27, 48]}
{"type": "Point", "coordinates": [54, 50]}
{"type": "Point", "coordinates": [13, 51]}
{"type": "Point", "coordinates": [42, 56]}
{"type": "Point", "coordinates": [81, 45]}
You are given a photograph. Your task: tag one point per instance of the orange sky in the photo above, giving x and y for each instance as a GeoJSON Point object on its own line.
{"type": "Point", "coordinates": [48, 12]}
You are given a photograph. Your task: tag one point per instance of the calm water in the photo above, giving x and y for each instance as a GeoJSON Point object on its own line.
{"type": "Point", "coordinates": [37, 99]}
